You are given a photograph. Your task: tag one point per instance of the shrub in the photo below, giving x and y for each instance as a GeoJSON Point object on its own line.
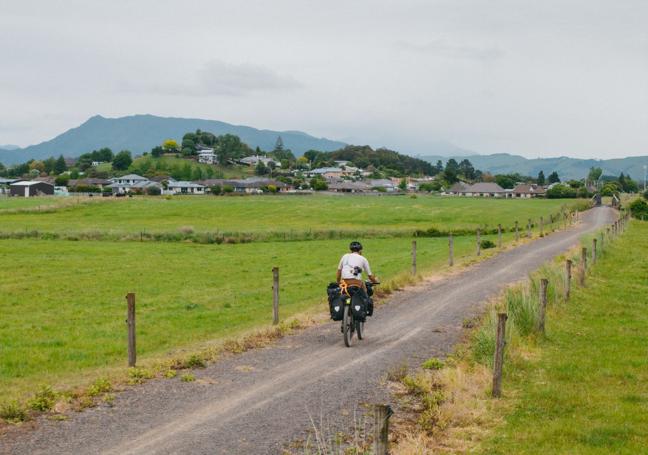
{"type": "Point", "coordinates": [43, 400]}
{"type": "Point", "coordinates": [486, 244]}
{"type": "Point", "coordinates": [216, 189]}
{"type": "Point", "coordinates": [645, 195]}
{"type": "Point", "coordinates": [228, 189]}
{"type": "Point", "coordinates": [153, 191]}
{"type": "Point", "coordinates": [639, 209]}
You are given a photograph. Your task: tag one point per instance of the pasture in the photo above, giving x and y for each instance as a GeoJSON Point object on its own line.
{"type": "Point", "coordinates": [63, 302]}
{"type": "Point", "coordinates": [386, 215]}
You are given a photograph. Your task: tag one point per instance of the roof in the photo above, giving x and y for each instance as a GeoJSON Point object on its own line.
{"type": "Point", "coordinates": [4, 181]}
{"type": "Point", "coordinates": [484, 187]}
{"type": "Point", "coordinates": [130, 177]}
{"type": "Point", "coordinates": [381, 182]}
{"type": "Point", "coordinates": [346, 185]}
{"type": "Point", "coordinates": [325, 170]}
{"type": "Point", "coordinates": [528, 189]}
{"type": "Point", "coordinates": [458, 187]}
{"type": "Point", "coordinates": [185, 184]}
{"type": "Point", "coordinates": [30, 183]}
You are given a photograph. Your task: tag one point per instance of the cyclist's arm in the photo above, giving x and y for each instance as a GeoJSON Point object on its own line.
{"type": "Point", "coordinates": [338, 277]}
{"type": "Point", "coordinates": [371, 276]}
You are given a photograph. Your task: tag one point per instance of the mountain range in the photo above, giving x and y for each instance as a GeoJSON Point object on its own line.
{"type": "Point", "coordinates": [140, 133]}
{"type": "Point", "coordinates": [567, 168]}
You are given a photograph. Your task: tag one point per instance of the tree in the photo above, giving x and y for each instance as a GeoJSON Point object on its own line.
{"type": "Point", "coordinates": [403, 185]}
{"type": "Point", "coordinates": [639, 209]}
{"type": "Point", "coordinates": [36, 165]}
{"type": "Point", "coordinates": [594, 174]}
{"type": "Point", "coordinates": [561, 191]}
{"type": "Point", "coordinates": [157, 151]}
{"type": "Point", "coordinates": [541, 178]}
{"type": "Point", "coordinates": [122, 160]}
{"type": "Point", "coordinates": [261, 169]}
{"type": "Point", "coordinates": [505, 181]}
{"type": "Point", "coordinates": [438, 167]}
{"type": "Point", "coordinates": [62, 180]}
{"type": "Point", "coordinates": [49, 165]}
{"type": "Point", "coordinates": [466, 169]}
{"type": "Point", "coordinates": [553, 178]}
{"type": "Point", "coordinates": [170, 146]}
{"type": "Point", "coordinates": [279, 145]}
{"type": "Point", "coordinates": [60, 166]}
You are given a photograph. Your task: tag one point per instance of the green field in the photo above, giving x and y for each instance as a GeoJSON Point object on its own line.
{"type": "Point", "coordinates": [260, 214]}
{"type": "Point", "coordinates": [63, 302]}
{"type": "Point", "coordinates": [586, 392]}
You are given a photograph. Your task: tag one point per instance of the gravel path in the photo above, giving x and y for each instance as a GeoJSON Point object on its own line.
{"type": "Point", "coordinates": [256, 402]}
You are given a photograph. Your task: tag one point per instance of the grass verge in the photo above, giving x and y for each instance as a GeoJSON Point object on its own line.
{"type": "Point", "coordinates": [579, 388]}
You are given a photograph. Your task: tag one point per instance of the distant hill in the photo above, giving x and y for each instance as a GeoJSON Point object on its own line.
{"type": "Point", "coordinates": [9, 147]}
{"type": "Point", "coordinates": [139, 133]}
{"type": "Point", "coordinates": [567, 168]}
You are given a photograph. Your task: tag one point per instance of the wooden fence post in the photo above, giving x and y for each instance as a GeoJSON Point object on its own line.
{"type": "Point", "coordinates": [414, 257]}
{"type": "Point", "coordinates": [542, 311]}
{"type": "Point", "coordinates": [529, 228]}
{"type": "Point", "coordinates": [499, 355]}
{"type": "Point", "coordinates": [130, 322]}
{"type": "Point", "coordinates": [568, 277]}
{"type": "Point", "coordinates": [541, 227]}
{"type": "Point", "coordinates": [602, 240]}
{"type": "Point", "coordinates": [499, 236]}
{"type": "Point", "coordinates": [382, 413]}
{"type": "Point", "coordinates": [517, 232]}
{"type": "Point", "coordinates": [583, 266]}
{"type": "Point", "coordinates": [478, 242]}
{"type": "Point", "coordinates": [450, 250]}
{"type": "Point", "coordinates": [275, 295]}
{"type": "Point", "coordinates": [594, 250]}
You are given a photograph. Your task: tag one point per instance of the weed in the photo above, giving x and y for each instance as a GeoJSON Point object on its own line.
{"type": "Point", "coordinates": [138, 375]}
{"type": "Point", "coordinates": [109, 398]}
{"type": "Point", "coordinates": [101, 385]}
{"type": "Point", "coordinates": [397, 373]}
{"type": "Point", "coordinates": [170, 374]}
{"type": "Point", "coordinates": [195, 362]}
{"type": "Point", "coordinates": [432, 364]}
{"type": "Point", "coordinates": [187, 377]}
{"type": "Point", "coordinates": [43, 400]}
{"type": "Point", "coordinates": [13, 412]}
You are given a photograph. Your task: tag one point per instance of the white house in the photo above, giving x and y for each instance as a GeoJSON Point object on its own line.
{"type": "Point", "coordinates": [207, 156]}
{"type": "Point", "coordinates": [129, 179]}
{"type": "Point", "coordinates": [254, 160]}
{"type": "Point", "coordinates": [185, 188]}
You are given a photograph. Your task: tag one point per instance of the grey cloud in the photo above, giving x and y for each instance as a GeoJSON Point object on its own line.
{"type": "Point", "coordinates": [217, 78]}
{"type": "Point", "coordinates": [446, 49]}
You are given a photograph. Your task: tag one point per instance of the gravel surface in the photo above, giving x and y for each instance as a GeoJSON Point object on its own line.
{"type": "Point", "coordinates": [256, 402]}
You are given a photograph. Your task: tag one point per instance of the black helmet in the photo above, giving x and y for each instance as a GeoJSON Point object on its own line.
{"type": "Point", "coordinates": [355, 246]}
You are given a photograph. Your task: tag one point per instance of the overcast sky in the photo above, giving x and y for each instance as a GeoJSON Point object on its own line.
{"type": "Point", "coordinates": [536, 78]}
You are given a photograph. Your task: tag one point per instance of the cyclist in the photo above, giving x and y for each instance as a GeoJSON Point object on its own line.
{"type": "Point", "coordinates": [350, 271]}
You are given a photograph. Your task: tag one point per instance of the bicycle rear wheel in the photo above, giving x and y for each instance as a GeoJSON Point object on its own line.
{"type": "Point", "coordinates": [359, 326]}
{"type": "Point", "coordinates": [347, 326]}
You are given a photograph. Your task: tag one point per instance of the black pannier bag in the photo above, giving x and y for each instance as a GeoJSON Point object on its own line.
{"type": "Point", "coordinates": [358, 304]}
{"type": "Point", "coordinates": [336, 305]}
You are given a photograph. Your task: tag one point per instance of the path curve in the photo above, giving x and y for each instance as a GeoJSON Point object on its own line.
{"type": "Point", "coordinates": [255, 402]}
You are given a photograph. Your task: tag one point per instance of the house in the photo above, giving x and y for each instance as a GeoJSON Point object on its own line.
{"type": "Point", "coordinates": [346, 186]}
{"type": "Point", "coordinates": [485, 189]}
{"type": "Point", "coordinates": [4, 185]}
{"type": "Point", "coordinates": [183, 187]}
{"type": "Point", "coordinates": [385, 184]}
{"type": "Point", "coordinates": [525, 190]}
{"type": "Point", "coordinates": [31, 188]}
{"type": "Point", "coordinates": [132, 183]}
{"type": "Point", "coordinates": [458, 188]}
{"type": "Point", "coordinates": [255, 159]}
{"type": "Point", "coordinates": [129, 179]}
{"type": "Point", "coordinates": [328, 173]}
{"type": "Point", "coordinates": [99, 183]}
{"type": "Point", "coordinates": [207, 156]}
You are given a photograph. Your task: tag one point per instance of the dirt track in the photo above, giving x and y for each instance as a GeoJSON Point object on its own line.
{"type": "Point", "coordinates": [256, 402]}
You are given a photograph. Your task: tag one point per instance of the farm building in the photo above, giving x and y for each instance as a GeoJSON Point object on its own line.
{"type": "Point", "coordinates": [484, 189]}
{"type": "Point", "coordinates": [4, 185]}
{"type": "Point", "coordinates": [346, 186]}
{"type": "Point", "coordinates": [31, 188]}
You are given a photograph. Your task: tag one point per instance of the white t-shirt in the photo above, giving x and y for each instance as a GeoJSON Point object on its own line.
{"type": "Point", "coordinates": [349, 262]}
